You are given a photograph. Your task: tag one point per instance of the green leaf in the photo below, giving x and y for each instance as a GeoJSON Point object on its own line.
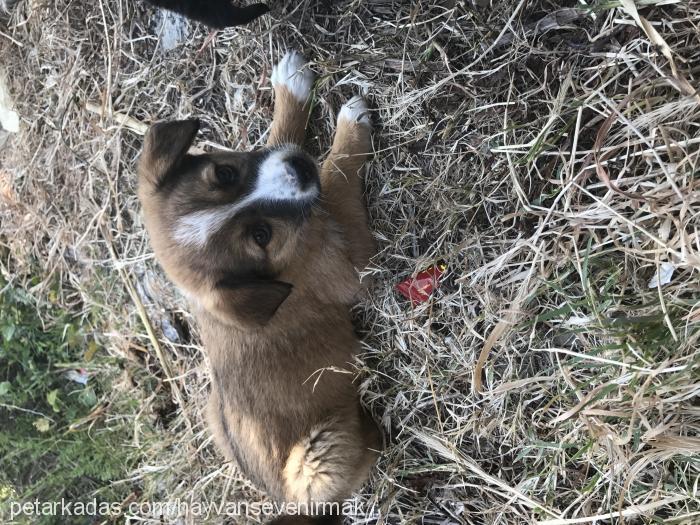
{"type": "Point", "coordinates": [88, 397]}
{"type": "Point", "coordinates": [52, 399]}
{"type": "Point", "coordinates": [91, 350]}
{"type": "Point", "coordinates": [5, 388]}
{"type": "Point", "coordinates": [8, 332]}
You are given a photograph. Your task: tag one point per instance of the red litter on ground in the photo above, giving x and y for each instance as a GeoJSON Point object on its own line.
{"type": "Point", "coordinates": [419, 288]}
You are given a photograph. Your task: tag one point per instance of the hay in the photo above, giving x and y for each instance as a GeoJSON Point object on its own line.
{"type": "Point", "coordinates": [549, 157]}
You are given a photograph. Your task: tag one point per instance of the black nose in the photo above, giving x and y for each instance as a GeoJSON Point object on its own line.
{"type": "Point", "coordinates": [305, 170]}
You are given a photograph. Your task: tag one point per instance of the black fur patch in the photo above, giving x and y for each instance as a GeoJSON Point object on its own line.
{"type": "Point", "coordinates": [217, 14]}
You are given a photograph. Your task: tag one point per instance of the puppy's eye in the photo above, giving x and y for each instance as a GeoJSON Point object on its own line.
{"type": "Point", "coordinates": [226, 175]}
{"type": "Point", "coordinates": [262, 235]}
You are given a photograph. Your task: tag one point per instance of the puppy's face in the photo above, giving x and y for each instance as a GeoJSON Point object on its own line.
{"type": "Point", "coordinates": [227, 227]}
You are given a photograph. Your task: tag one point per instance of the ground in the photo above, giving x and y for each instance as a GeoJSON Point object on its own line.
{"type": "Point", "coordinates": [546, 152]}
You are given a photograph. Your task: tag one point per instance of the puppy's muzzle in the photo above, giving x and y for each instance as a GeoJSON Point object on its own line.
{"type": "Point", "coordinates": [304, 169]}
{"type": "Point", "coordinates": [286, 175]}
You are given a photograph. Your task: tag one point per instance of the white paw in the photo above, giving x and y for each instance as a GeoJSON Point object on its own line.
{"type": "Point", "coordinates": [355, 110]}
{"type": "Point", "coordinates": [292, 74]}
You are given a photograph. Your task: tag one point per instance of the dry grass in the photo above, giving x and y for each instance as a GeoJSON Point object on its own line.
{"type": "Point", "coordinates": [549, 157]}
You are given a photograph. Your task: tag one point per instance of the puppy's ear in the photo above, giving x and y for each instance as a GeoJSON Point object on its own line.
{"type": "Point", "coordinates": [165, 146]}
{"type": "Point", "coordinates": [249, 303]}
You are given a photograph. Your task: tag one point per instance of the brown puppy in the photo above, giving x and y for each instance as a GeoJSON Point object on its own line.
{"type": "Point", "coordinates": [268, 251]}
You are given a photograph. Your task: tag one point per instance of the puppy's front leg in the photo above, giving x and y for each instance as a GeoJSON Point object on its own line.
{"type": "Point", "coordinates": [292, 83]}
{"type": "Point", "coordinates": [341, 179]}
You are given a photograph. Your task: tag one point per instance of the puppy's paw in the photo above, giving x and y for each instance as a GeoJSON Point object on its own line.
{"type": "Point", "coordinates": [292, 74]}
{"type": "Point", "coordinates": [355, 111]}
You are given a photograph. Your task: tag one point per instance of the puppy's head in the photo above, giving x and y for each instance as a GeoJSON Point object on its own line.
{"type": "Point", "coordinates": [227, 227]}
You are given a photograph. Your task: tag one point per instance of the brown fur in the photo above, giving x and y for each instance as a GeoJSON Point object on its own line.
{"type": "Point", "coordinates": [289, 119]}
{"type": "Point", "coordinates": [279, 404]}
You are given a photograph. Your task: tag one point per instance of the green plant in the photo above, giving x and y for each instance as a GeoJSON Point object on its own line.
{"type": "Point", "coordinates": [53, 442]}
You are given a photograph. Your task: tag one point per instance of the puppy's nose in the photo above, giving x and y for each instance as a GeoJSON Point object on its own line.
{"type": "Point", "coordinates": [304, 169]}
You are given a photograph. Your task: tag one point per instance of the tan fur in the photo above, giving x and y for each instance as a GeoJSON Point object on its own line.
{"type": "Point", "coordinates": [278, 405]}
{"type": "Point", "coordinates": [341, 179]}
{"type": "Point", "coordinates": [289, 120]}
{"type": "Point", "coordinates": [326, 465]}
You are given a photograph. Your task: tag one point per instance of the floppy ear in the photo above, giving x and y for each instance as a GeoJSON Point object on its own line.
{"type": "Point", "coordinates": [165, 146]}
{"type": "Point", "coordinates": [249, 303]}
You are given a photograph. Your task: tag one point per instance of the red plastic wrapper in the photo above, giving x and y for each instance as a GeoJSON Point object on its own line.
{"type": "Point", "coordinates": [419, 288]}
